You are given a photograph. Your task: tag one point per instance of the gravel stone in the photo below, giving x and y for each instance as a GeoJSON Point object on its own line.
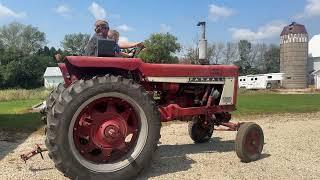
{"type": "Point", "coordinates": [291, 151]}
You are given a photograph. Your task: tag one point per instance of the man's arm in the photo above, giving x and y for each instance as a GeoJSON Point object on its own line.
{"type": "Point", "coordinates": [90, 49]}
{"type": "Point", "coordinates": [126, 45]}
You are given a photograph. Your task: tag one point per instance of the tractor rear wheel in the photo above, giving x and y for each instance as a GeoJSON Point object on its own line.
{"type": "Point", "coordinates": [198, 132]}
{"type": "Point", "coordinates": [249, 142]}
{"type": "Point", "coordinates": [53, 96]}
{"type": "Point", "coordinates": [103, 128]}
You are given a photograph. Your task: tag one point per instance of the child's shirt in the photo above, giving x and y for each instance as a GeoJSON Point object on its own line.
{"type": "Point", "coordinates": [116, 48]}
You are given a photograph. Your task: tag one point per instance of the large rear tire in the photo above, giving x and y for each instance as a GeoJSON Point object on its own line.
{"type": "Point", "coordinates": [90, 122]}
{"type": "Point", "coordinates": [249, 142]}
{"type": "Point", "coordinates": [53, 96]}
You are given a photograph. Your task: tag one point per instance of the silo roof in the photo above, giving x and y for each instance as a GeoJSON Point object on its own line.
{"type": "Point", "coordinates": [294, 28]}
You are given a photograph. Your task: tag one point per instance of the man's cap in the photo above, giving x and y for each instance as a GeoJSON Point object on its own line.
{"type": "Point", "coordinates": [101, 23]}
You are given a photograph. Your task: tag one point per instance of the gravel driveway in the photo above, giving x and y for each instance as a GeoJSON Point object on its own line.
{"type": "Point", "coordinates": [291, 152]}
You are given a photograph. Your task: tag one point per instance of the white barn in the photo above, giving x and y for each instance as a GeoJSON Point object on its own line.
{"type": "Point", "coordinates": [52, 77]}
{"type": "Point", "coordinates": [260, 81]}
{"type": "Point", "coordinates": [316, 75]}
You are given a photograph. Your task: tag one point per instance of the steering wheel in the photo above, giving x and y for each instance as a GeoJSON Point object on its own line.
{"type": "Point", "coordinates": [135, 51]}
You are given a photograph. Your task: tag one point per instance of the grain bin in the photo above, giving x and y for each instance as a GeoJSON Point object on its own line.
{"type": "Point", "coordinates": [294, 55]}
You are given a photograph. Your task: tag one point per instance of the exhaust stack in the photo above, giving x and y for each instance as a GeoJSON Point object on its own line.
{"type": "Point", "coordinates": [203, 44]}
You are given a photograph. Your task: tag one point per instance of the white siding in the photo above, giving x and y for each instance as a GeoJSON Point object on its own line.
{"type": "Point", "coordinates": [317, 81]}
{"type": "Point", "coordinates": [52, 81]}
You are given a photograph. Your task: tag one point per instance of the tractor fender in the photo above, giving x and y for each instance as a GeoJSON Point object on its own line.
{"type": "Point", "coordinates": [104, 62]}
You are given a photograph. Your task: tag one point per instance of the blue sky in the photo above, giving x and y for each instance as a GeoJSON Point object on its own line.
{"type": "Point", "coordinates": [227, 20]}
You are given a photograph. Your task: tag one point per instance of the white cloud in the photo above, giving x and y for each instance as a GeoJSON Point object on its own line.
{"type": "Point", "coordinates": [216, 12]}
{"type": "Point", "coordinates": [63, 10]}
{"type": "Point", "coordinates": [165, 28]}
{"type": "Point", "coordinates": [312, 9]}
{"type": "Point", "coordinates": [264, 32]}
{"type": "Point", "coordinates": [97, 11]}
{"type": "Point", "coordinates": [124, 28]}
{"type": "Point", "coordinates": [7, 12]}
{"type": "Point", "coordinates": [123, 39]}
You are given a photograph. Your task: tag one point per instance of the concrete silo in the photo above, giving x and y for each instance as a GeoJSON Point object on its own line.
{"type": "Point", "coordinates": [294, 56]}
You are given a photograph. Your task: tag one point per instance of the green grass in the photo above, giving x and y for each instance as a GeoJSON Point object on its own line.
{"type": "Point", "coordinates": [23, 94]}
{"type": "Point", "coordinates": [264, 103]}
{"type": "Point", "coordinates": [14, 116]}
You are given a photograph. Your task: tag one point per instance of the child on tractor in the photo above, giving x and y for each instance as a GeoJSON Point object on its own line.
{"type": "Point", "coordinates": [114, 35]}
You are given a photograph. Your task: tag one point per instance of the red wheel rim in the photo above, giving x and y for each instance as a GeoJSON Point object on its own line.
{"type": "Point", "coordinates": [106, 130]}
{"type": "Point", "coordinates": [253, 142]}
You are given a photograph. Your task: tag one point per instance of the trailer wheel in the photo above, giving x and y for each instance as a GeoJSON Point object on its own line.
{"type": "Point", "coordinates": [103, 128]}
{"type": "Point", "coordinates": [198, 132]}
{"type": "Point", "coordinates": [249, 142]}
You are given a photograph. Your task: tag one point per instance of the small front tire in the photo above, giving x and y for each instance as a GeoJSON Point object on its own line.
{"type": "Point", "coordinates": [198, 132]}
{"type": "Point", "coordinates": [249, 142]}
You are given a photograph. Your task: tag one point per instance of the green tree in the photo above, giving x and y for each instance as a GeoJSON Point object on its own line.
{"type": "Point", "coordinates": [272, 59]}
{"type": "Point", "coordinates": [75, 43]}
{"type": "Point", "coordinates": [21, 65]}
{"type": "Point", "coordinates": [160, 48]}
{"type": "Point", "coordinates": [245, 49]}
{"type": "Point", "coordinates": [27, 73]}
{"type": "Point", "coordinates": [24, 38]}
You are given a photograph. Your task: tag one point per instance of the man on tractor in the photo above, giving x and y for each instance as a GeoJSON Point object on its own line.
{"type": "Point", "coordinates": [101, 32]}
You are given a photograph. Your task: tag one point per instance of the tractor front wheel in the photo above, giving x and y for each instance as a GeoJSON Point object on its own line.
{"type": "Point", "coordinates": [103, 128]}
{"type": "Point", "coordinates": [198, 131]}
{"type": "Point", "coordinates": [249, 142]}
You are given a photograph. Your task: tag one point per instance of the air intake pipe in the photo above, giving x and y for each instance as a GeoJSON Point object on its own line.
{"type": "Point", "coordinates": [203, 59]}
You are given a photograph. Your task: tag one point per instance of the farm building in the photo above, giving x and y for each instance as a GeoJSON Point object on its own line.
{"type": "Point", "coordinates": [294, 56]}
{"type": "Point", "coordinates": [316, 75]}
{"type": "Point", "coordinates": [52, 77]}
{"type": "Point", "coordinates": [260, 81]}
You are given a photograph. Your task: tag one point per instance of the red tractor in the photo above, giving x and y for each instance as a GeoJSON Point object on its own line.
{"type": "Point", "coordinates": [104, 121]}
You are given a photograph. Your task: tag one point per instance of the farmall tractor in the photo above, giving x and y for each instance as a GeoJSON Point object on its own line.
{"type": "Point", "coordinates": [104, 121]}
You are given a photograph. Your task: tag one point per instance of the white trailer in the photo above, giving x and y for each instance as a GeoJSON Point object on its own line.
{"type": "Point", "coordinates": [260, 81]}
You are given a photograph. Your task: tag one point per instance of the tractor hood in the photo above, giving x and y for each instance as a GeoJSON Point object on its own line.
{"type": "Point", "coordinates": [153, 70]}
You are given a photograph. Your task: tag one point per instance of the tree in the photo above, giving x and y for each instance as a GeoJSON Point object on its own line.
{"type": "Point", "coordinates": [191, 56]}
{"type": "Point", "coordinates": [230, 53]}
{"type": "Point", "coordinates": [160, 48]}
{"type": "Point", "coordinates": [24, 38]}
{"type": "Point", "coordinates": [26, 73]}
{"type": "Point", "coordinates": [215, 52]}
{"type": "Point", "coordinates": [245, 54]}
{"type": "Point", "coordinates": [272, 59]}
{"type": "Point", "coordinates": [75, 43]}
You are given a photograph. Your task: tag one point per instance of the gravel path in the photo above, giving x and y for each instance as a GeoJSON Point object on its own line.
{"type": "Point", "coordinates": [291, 152]}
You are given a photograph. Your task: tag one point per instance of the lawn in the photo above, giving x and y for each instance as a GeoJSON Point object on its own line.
{"type": "Point", "coordinates": [14, 109]}
{"type": "Point", "coordinates": [15, 116]}
{"type": "Point", "coordinates": [264, 103]}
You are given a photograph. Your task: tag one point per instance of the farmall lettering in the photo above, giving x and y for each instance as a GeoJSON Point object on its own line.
{"type": "Point", "coordinates": [206, 79]}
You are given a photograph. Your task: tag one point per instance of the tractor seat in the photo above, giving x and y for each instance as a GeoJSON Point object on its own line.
{"type": "Point", "coordinates": [105, 47]}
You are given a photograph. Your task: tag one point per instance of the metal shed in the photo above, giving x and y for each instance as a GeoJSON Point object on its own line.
{"type": "Point", "coordinates": [52, 77]}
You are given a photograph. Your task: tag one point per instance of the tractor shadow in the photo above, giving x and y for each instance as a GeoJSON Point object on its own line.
{"type": "Point", "coordinates": [15, 129]}
{"type": "Point", "coordinates": [172, 158]}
